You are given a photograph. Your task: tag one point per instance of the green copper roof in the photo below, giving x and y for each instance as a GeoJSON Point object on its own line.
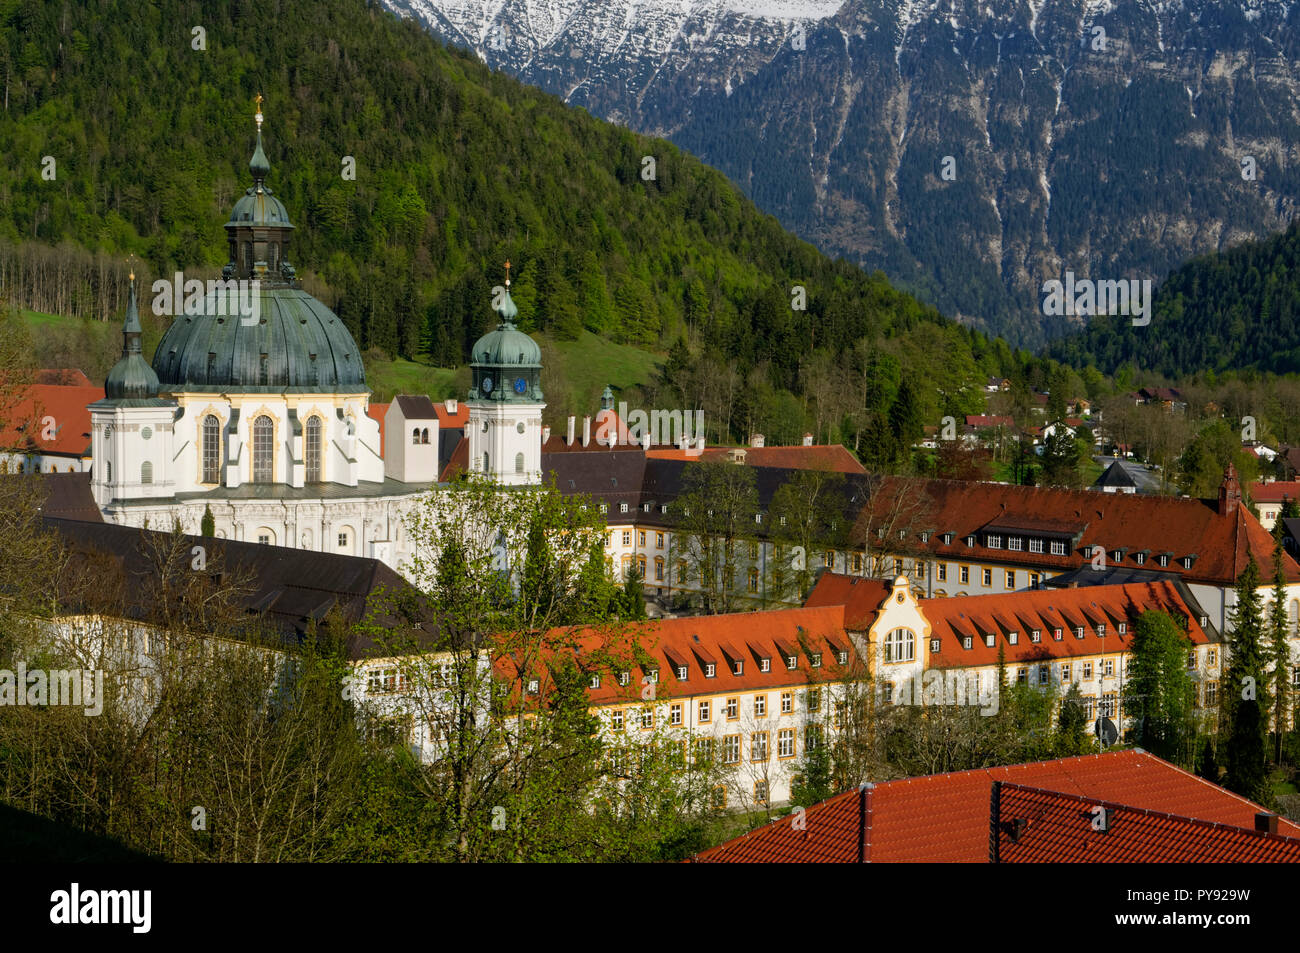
{"type": "Point", "coordinates": [507, 345]}
{"type": "Point", "coordinates": [131, 378]}
{"type": "Point", "coordinates": [296, 343]}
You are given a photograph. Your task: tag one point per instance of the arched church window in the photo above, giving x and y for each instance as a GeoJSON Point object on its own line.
{"type": "Point", "coordinates": [263, 434]}
{"type": "Point", "coordinates": [424, 435]}
{"type": "Point", "coordinates": [415, 436]}
{"type": "Point", "coordinates": [108, 471]}
{"type": "Point", "coordinates": [519, 463]}
{"type": "Point", "coordinates": [313, 450]}
{"type": "Point", "coordinates": [485, 463]}
{"type": "Point", "coordinates": [211, 449]}
{"type": "Point", "coordinates": [146, 472]}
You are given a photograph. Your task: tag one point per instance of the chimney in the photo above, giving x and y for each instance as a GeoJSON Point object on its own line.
{"type": "Point", "coordinates": [807, 440]}
{"type": "Point", "coordinates": [1266, 822]}
{"type": "Point", "coordinates": [450, 405]}
{"type": "Point", "coordinates": [756, 440]}
{"type": "Point", "coordinates": [569, 441]}
{"type": "Point", "coordinates": [546, 434]}
{"type": "Point", "coordinates": [586, 431]}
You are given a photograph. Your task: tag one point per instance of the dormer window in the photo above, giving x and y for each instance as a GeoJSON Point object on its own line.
{"type": "Point", "coordinates": [934, 645]}
{"type": "Point", "coordinates": [1101, 630]}
{"type": "Point", "coordinates": [738, 668]}
{"type": "Point", "coordinates": [988, 639]}
{"type": "Point", "coordinates": [765, 664]}
{"type": "Point", "coordinates": [947, 539]}
{"type": "Point", "coordinates": [595, 681]}
{"type": "Point", "coordinates": [710, 670]}
{"type": "Point", "coordinates": [1058, 547]}
{"type": "Point", "coordinates": [1140, 558]}
{"type": "Point", "coordinates": [1036, 635]}
{"type": "Point", "coordinates": [1123, 627]}
{"type": "Point", "coordinates": [994, 542]}
{"type": "Point", "coordinates": [966, 642]}
{"type": "Point", "coordinates": [533, 686]}
{"type": "Point", "coordinates": [815, 659]}
{"type": "Point", "coordinates": [791, 662]}
{"type": "Point", "coordinates": [622, 507]}
{"type": "Point", "coordinates": [970, 540]}
{"type": "Point", "coordinates": [1013, 637]}
{"type": "Point", "coordinates": [624, 678]}
{"type": "Point", "coordinates": [681, 673]}
{"type": "Point", "coordinates": [1057, 634]}
{"type": "Point", "coordinates": [1078, 632]}
{"type": "Point", "coordinates": [1164, 559]}
{"type": "Point", "coordinates": [842, 657]}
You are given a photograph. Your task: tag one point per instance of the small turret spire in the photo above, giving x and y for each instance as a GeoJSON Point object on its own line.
{"type": "Point", "coordinates": [259, 165]}
{"type": "Point", "coordinates": [506, 308]}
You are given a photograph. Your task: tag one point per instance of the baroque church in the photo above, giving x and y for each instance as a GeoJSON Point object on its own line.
{"type": "Point", "coordinates": [264, 424]}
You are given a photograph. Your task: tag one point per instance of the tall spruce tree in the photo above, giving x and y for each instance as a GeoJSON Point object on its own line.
{"type": "Point", "coordinates": [1245, 697]}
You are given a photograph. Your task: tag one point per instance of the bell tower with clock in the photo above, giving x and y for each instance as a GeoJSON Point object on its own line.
{"type": "Point", "coordinates": [505, 400]}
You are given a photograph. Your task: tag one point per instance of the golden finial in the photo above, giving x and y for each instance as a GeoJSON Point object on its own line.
{"type": "Point", "coordinates": [507, 272]}
{"type": "Point", "coordinates": [131, 261]}
{"type": "Point", "coordinates": [258, 99]}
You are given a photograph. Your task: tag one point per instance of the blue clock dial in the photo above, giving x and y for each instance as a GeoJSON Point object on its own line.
{"type": "Point", "coordinates": [521, 385]}
{"type": "Point", "coordinates": [487, 385]}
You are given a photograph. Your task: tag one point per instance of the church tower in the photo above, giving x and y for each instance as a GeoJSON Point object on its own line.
{"type": "Point", "coordinates": [505, 401]}
{"type": "Point", "coordinates": [131, 442]}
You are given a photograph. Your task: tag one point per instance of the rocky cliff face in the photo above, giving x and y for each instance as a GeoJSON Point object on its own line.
{"type": "Point", "coordinates": [972, 150]}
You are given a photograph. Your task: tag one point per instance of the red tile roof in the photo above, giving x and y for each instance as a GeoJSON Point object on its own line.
{"type": "Point", "coordinates": [985, 420]}
{"type": "Point", "coordinates": [448, 420]}
{"type": "Point", "coordinates": [944, 818]}
{"type": "Point", "coordinates": [1276, 492]}
{"type": "Point", "coordinates": [458, 463]}
{"type": "Point", "coordinates": [63, 375]}
{"type": "Point", "coordinates": [859, 596]}
{"type": "Point", "coordinates": [1046, 610]}
{"type": "Point", "coordinates": [1033, 826]}
{"type": "Point", "coordinates": [721, 640]}
{"type": "Point", "coordinates": [1081, 518]}
{"type": "Point", "coordinates": [68, 404]}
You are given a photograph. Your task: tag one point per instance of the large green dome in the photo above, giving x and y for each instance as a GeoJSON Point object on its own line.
{"type": "Point", "coordinates": [297, 344]}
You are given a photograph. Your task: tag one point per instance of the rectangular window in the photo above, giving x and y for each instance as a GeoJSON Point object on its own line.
{"type": "Point", "coordinates": [640, 538]}
{"type": "Point", "coordinates": [987, 577]}
{"type": "Point", "coordinates": [710, 670]}
{"type": "Point", "coordinates": [1087, 670]}
{"type": "Point", "coordinates": [1044, 674]}
{"type": "Point", "coordinates": [624, 677]}
{"type": "Point", "coordinates": [1011, 579]}
{"type": "Point", "coordinates": [765, 665]}
{"type": "Point", "coordinates": [792, 662]}
{"type": "Point", "coordinates": [1058, 547]}
{"type": "Point", "coordinates": [814, 699]}
{"type": "Point", "coordinates": [760, 706]}
{"type": "Point", "coordinates": [815, 659]}
{"type": "Point", "coordinates": [785, 743]}
{"type": "Point", "coordinates": [941, 572]}
{"type": "Point", "coordinates": [760, 793]}
{"type": "Point", "coordinates": [1035, 545]}
{"type": "Point", "coordinates": [704, 712]}
{"type": "Point", "coordinates": [659, 540]}
{"type": "Point", "coordinates": [1065, 673]}
{"type": "Point", "coordinates": [733, 709]}
{"type": "Point", "coordinates": [1013, 637]}
{"type": "Point", "coordinates": [675, 714]}
{"type": "Point", "coordinates": [1015, 543]}
{"type": "Point", "coordinates": [1191, 659]}
{"type": "Point", "coordinates": [787, 702]}
{"type": "Point", "coordinates": [1211, 658]}
{"type": "Point", "coordinates": [994, 542]}
{"type": "Point", "coordinates": [1034, 580]}
{"type": "Point", "coordinates": [647, 719]}
{"type": "Point", "coordinates": [828, 559]}
{"type": "Point", "coordinates": [343, 540]}
{"type": "Point", "coordinates": [1212, 693]}
{"type": "Point", "coordinates": [681, 673]}
{"type": "Point", "coordinates": [1101, 631]}
{"type": "Point", "coordinates": [1036, 635]}
{"type": "Point", "coordinates": [616, 720]}
{"type": "Point", "coordinates": [704, 751]}
{"type": "Point", "coordinates": [627, 537]}
{"type": "Point", "coordinates": [595, 681]}
{"type": "Point", "coordinates": [934, 645]}
{"type": "Point", "coordinates": [1108, 666]}
{"type": "Point", "coordinates": [731, 749]}
{"type": "Point", "coordinates": [812, 737]}
{"type": "Point", "coordinates": [1022, 674]}
{"type": "Point", "coordinates": [758, 746]}
{"type": "Point", "coordinates": [963, 574]}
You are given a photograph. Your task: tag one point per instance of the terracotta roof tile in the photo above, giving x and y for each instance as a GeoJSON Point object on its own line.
{"type": "Point", "coordinates": [68, 404]}
{"type": "Point", "coordinates": [1034, 826]}
{"type": "Point", "coordinates": [944, 818]}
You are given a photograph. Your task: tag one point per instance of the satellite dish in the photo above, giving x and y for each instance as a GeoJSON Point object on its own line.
{"type": "Point", "coordinates": [1105, 729]}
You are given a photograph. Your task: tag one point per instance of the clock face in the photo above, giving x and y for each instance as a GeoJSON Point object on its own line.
{"type": "Point", "coordinates": [521, 385]}
{"type": "Point", "coordinates": [146, 433]}
{"type": "Point", "coordinates": [487, 385]}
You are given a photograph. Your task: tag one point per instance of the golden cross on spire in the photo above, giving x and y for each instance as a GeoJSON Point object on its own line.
{"type": "Point", "coordinates": [507, 272]}
{"type": "Point", "coordinates": [131, 260]}
{"type": "Point", "coordinates": [258, 99]}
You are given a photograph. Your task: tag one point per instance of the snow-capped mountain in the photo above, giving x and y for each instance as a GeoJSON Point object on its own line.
{"type": "Point", "coordinates": [970, 149]}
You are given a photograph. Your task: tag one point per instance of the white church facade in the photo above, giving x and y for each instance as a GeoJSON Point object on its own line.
{"type": "Point", "coordinates": [263, 423]}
